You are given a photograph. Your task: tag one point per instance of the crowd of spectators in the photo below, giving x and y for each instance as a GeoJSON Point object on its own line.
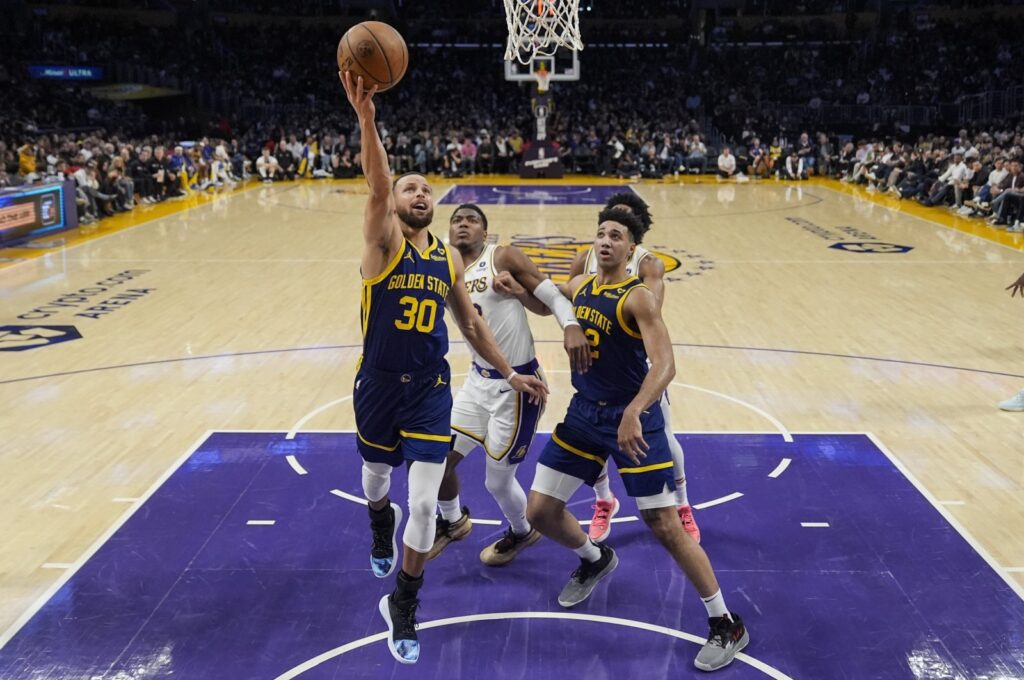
{"type": "Point", "coordinates": [275, 117]}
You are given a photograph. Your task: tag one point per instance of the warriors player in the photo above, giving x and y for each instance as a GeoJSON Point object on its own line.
{"type": "Point", "coordinates": [486, 413]}
{"type": "Point", "coordinates": [651, 271]}
{"type": "Point", "coordinates": [614, 414]}
{"type": "Point", "coordinates": [402, 398]}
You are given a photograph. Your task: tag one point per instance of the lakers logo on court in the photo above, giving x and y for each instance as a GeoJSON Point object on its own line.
{"type": "Point", "coordinates": [19, 338]}
{"type": "Point", "coordinates": [554, 256]}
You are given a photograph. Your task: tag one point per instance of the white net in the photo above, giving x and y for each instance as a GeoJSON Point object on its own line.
{"type": "Point", "coordinates": [537, 28]}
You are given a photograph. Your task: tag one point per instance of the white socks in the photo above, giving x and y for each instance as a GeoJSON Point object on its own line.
{"type": "Point", "coordinates": [588, 551]}
{"type": "Point", "coordinates": [716, 605]}
{"type": "Point", "coordinates": [601, 489]}
{"type": "Point", "coordinates": [450, 510]}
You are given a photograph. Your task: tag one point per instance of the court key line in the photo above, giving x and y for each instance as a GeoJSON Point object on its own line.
{"type": "Point", "coordinates": [787, 437]}
{"type": "Point", "coordinates": [770, 671]}
{"type": "Point", "coordinates": [631, 518]}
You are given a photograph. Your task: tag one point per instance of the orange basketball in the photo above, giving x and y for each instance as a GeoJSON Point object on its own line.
{"type": "Point", "coordinates": [375, 51]}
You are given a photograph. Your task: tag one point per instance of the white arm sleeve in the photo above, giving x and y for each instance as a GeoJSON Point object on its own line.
{"type": "Point", "coordinates": [548, 293]}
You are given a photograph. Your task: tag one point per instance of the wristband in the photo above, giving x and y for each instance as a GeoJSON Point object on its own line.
{"type": "Point", "coordinates": [509, 377]}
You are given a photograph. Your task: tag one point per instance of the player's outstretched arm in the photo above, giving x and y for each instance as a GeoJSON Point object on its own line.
{"type": "Point", "coordinates": [1017, 287]}
{"type": "Point", "coordinates": [381, 232]}
{"type": "Point", "coordinates": [479, 336]}
{"type": "Point", "coordinates": [641, 308]}
{"type": "Point", "coordinates": [525, 272]}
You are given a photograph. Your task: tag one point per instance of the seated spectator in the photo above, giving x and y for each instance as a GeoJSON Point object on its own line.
{"type": "Point", "coordinates": [793, 168]}
{"type": "Point", "coordinates": [696, 156]}
{"type": "Point", "coordinates": [726, 163]}
{"type": "Point", "coordinates": [28, 161]}
{"type": "Point", "coordinates": [627, 167]}
{"type": "Point", "coordinates": [403, 154]}
{"type": "Point", "coordinates": [286, 160]}
{"type": "Point", "coordinates": [826, 161]}
{"type": "Point", "coordinates": [993, 185]}
{"type": "Point", "coordinates": [943, 187]}
{"type": "Point", "coordinates": [139, 171]}
{"type": "Point", "coordinates": [1011, 188]}
{"type": "Point", "coordinates": [650, 166]}
{"type": "Point", "coordinates": [346, 168]}
{"type": "Point", "coordinates": [452, 162]}
{"type": "Point", "coordinates": [468, 151]}
{"type": "Point", "coordinates": [268, 167]}
{"type": "Point", "coordinates": [760, 166]}
{"type": "Point", "coordinates": [806, 152]}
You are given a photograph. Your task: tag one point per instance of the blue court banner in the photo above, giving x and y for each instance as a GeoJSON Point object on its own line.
{"type": "Point", "coordinates": [66, 72]}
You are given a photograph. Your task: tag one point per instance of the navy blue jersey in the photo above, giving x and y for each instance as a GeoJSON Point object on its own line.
{"type": "Point", "coordinates": [619, 360]}
{"type": "Point", "coordinates": [403, 310]}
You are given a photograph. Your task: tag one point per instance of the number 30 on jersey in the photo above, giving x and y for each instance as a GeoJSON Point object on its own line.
{"type": "Point", "coordinates": [418, 314]}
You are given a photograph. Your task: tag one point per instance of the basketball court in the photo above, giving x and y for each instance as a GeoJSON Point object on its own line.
{"type": "Point", "coordinates": [181, 487]}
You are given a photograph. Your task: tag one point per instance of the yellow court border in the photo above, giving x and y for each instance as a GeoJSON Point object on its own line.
{"type": "Point", "coordinates": [937, 215]}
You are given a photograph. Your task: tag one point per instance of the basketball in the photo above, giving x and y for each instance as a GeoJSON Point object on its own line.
{"type": "Point", "coordinates": [375, 51]}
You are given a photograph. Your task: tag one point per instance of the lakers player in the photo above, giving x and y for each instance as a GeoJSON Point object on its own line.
{"type": "Point", "coordinates": [486, 412]}
{"type": "Point", "coordinates": [402, 397]}
{"type": "Point", "coordinates": [614, 414]}
{"type": "Point", "coordinates": [649, 269]}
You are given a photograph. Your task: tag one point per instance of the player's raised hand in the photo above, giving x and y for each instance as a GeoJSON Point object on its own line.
{"type": "Point", "coordinates": [360, 98]}
{"type": "Point", "coordinates": [578, 349]}
{"type": "Point", "coordinates": [506, 284]}
{"type": "Point", "coordinates": [631, 437]}
{"type": "Point", "coordinates": [533, 386]}
{"type": "Point", "coordinates": [1017, 287]}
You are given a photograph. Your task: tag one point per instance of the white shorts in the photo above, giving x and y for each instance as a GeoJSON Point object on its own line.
{"type": "Point", "coordinates": [488, 413]}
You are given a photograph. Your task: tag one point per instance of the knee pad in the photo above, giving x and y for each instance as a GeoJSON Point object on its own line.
{"type": "Point", "coordinates": [424, 482]}
{"type": "Point", "coordinates": [376, 480]}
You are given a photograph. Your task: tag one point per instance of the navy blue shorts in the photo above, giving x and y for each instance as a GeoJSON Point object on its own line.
{"type": "Point", "coordinates": [582, 443]}
{"type": "Point", "coordinates": [403, 416]}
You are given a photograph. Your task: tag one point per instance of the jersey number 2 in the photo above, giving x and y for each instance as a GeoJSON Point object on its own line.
{"type": "Point", "coordinates": [418, 314]}
{"type": "Point", "coordinates": [593, 337]}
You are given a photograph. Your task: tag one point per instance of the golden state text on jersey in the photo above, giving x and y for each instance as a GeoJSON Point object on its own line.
{"type": "Point", "coordinates": [403, 309]}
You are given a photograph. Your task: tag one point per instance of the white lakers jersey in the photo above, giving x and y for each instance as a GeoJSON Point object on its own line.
{"type": "Point", "coordinates": [632, 267]}
{"type": "Point", "coordinates": [505, 315]}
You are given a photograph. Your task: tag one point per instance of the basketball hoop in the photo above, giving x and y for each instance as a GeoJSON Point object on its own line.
{"type": "Point", "coordinates": [537, 28]}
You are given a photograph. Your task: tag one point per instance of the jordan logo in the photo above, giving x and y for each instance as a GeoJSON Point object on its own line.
{"type": "Point", "coordinates": [440, 381]}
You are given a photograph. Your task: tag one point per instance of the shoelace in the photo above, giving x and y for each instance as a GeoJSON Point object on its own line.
{"type": "Point", "coordinates": [720, 633]}
{"type": "Point", "coordinates": [507, 542]}
{"type": "Point", "coordinates": [584, 570]}
{"type": "Point", "coordinates": [601, 514]}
